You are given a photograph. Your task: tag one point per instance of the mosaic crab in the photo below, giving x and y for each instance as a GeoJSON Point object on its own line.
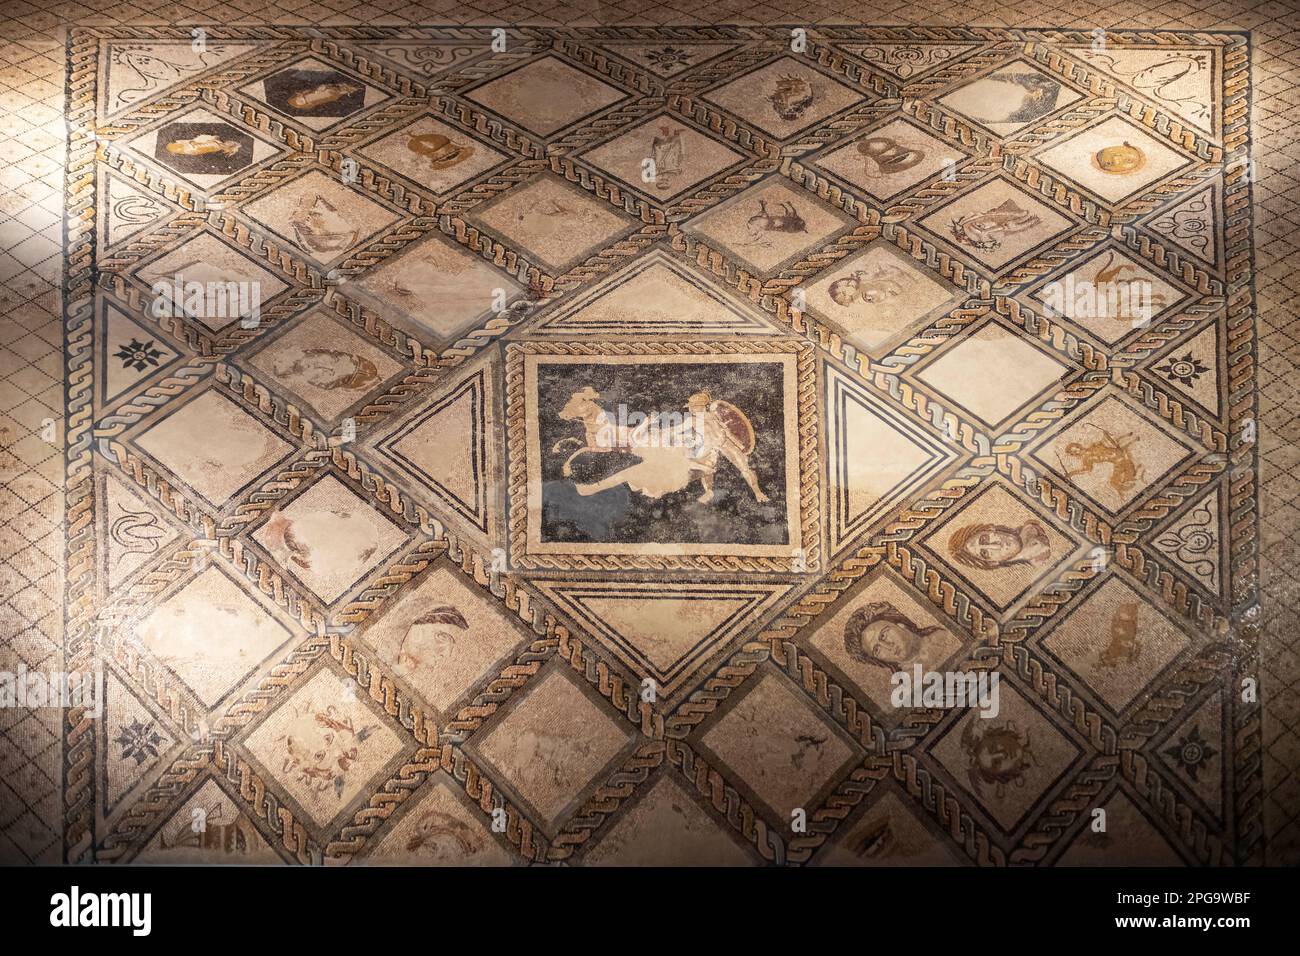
{"type": "Point", "coordinates": [997, 754]}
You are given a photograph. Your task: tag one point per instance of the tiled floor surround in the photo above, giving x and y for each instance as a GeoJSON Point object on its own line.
{"type": "Point", "coordinates": [1201, 782]}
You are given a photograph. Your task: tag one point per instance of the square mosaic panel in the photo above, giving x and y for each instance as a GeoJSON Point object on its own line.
{"type": "Point", "coordinates": [548, 454]}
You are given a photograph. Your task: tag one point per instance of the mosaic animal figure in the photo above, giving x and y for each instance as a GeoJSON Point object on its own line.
{"type": "Point", "coordinates": [1107, 450]}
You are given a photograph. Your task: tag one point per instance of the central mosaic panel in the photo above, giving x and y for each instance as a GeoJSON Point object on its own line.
{"type": "Point", "coordinates": [653, 457]}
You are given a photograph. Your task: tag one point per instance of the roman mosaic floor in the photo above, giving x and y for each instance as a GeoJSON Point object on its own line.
{"type": "Point", "coordinates": [545, 445]}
